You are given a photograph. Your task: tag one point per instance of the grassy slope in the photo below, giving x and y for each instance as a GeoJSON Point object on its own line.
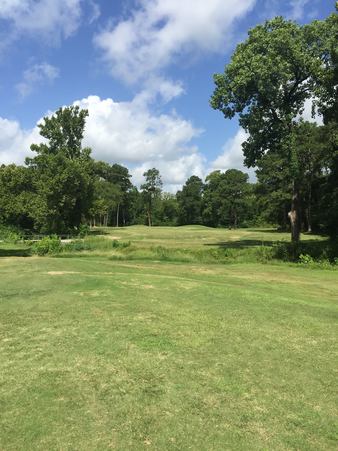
{"type": "Point", "coordinates": [200, 236]}
{"type": "Point", "coordinates": [97, 354]}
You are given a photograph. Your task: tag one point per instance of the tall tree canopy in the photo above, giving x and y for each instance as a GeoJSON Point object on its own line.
{"type": "Point", "coordinates": [270, 77]}
{"type": "Point", "coordinates": [190, 201]}
{"type": "Point", "coordinates": [151, 190]}
{"type": "Point", "coordinates": [63, 172]}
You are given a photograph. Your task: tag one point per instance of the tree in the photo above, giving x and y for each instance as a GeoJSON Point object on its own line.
{"type": "Point", "coordinates": [327, 95]}
{"type": "Point", "coordinates": [151, 189]}
{"type": "Point", "coordinates": [234, 191]}
{"type": "Point", "coordinates": [167, 210]}
{"type": "Point", "coordinates": [63, 172]}
{"type": "Point", "coordinates": [267, 82]}
{"type": "Point", "coordinates": [190, 201]}
{"type": "Point", "coordinates": [17, 196]}
{"type": "Point", "coordinates": [212, 199]}
{"type": "Point", "coordinates": [107, 197]}
{"type": "Point", "coordinates": [119, 178]}
{"type": "Point", "coordinates": [275, 178]}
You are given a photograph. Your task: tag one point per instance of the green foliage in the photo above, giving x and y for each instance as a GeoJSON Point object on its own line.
{"type": "Point", "coordinates": [62, 172]}
{"type": "Point", "coordinates": [151, 190]}
{"type": "Point", "coordinates": [94, 244]}
{"type": "Point", "coordinates": [83, 230]}
{"type": "Point", "coordinates": [270, 76]}
{"type": "Point", "coordinates": [17, 196]}
{"type": "Point", "coordinates": [10, 234]}
{"type": "Point", "coordinates": [305, 259]}
{"type": "Point", "coordinates": [228, 199]}
{"type": "Point", "coordinates": [48, 245]}
{"type": "Point", "coordinates": [190, 201]}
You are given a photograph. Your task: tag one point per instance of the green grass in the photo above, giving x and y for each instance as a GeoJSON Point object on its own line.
{"type": "Point", "coordinates": [192, 244]}
{"type": "Point", "coordinates": [103, 354]}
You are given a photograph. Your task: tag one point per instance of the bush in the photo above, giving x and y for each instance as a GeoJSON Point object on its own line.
{"type": "Point", "coordinates": [120, 244]}
{"type": "Point", "coordinates": [47, 245]}
{"type": "Point", "coordinates": [83, 230]}
{"type": "Point", "coordinates": [305, 259]}
{"type": "Point", "coordinates": [10, 234]}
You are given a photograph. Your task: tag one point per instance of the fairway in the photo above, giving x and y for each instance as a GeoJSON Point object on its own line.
{"type": "Point", "coordinates": [103, 354]}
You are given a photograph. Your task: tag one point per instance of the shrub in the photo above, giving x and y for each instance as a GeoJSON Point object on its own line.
{"type": "Point", "coordinates": [10, 234]}
{"type": "Point", "coordinates": [305, 259]}
{"type": "Point", "coordinates": [47, 245]}
{"type": "Point", "coordinates": [83, 230]}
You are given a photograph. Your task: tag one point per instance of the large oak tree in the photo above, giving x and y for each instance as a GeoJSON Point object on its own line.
{"type": "Point", "coordinates": [267, 82]}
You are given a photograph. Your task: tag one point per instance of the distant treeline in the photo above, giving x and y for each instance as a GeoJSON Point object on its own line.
{"type": "Point", "coordinates": [62, 187]}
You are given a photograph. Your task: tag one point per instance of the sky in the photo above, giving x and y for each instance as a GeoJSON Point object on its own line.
{"type": "Point", "coordinates": [143, 69]}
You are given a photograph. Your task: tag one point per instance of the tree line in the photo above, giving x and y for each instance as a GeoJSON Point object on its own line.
{"type": "Point", "coordinates": [271, 75]}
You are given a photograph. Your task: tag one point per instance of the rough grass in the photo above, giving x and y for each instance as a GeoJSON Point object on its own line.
{"type": "Point", "coordinates": [191, 244]}
{"type": "Point", "coordinates": [103, 354]}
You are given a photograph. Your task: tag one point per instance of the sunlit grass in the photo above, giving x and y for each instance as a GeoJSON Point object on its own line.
{"type": "Point", "coordinates": [102, 354]}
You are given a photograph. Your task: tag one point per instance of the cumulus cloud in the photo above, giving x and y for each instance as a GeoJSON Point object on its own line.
{"type": "Point", "coordinates": [36, 75]}
{"type": "Point", "coordinates": [174, 172]}
{"type": "Point", "coordinates": [15, 141]}
{"type": "Point", "coordinates": [159, 31]}
{"type": "Point", "coordinates": [53, 20]}
{"type": "Point", "coordinates": [232, 156]}
{"type": "Point", "coordinates": [124, 132]}
{"type": "Point", "coordinates": [129, 132]}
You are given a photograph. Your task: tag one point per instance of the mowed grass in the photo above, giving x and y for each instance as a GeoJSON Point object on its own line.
{"type": "Point", "coordinates": [198, 237]}
{"type": "Point", "coordinates": [98, 354]}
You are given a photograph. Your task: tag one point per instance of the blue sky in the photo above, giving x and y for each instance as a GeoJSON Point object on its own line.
{"type": "Point", "coordinates": [143, 68]}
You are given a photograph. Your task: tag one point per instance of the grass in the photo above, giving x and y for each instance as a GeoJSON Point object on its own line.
{"type": "Point", "coordinates": [103, 354]}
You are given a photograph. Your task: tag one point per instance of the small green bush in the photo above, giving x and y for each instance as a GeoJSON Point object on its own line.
{"type": "Point", "coordinates": [305, 259]}
{"type": "Point", "coordinates": [120, 244]}
{"type": "Point", "coordinates": [10, 235]}
{"type": "Point", "coordinates": [47, 245]}
{"type": "Point", "coordinates": [83, 230]}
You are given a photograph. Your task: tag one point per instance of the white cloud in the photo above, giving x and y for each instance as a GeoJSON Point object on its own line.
{"type": "Point", "coordinates": [159, 90]}
{"type": "Point", "coordinates": [232, 156]}
{"type": "Point", "coordinates": [129, 132]}
{"type": "Point", "coordinates": [95, 11]}
{"type": "Point", "coordinates": [54, 19]}
{"type": "Point", "coordinates": [174, 172]}
{"type": "Point", "coordinates": [158, 31]}
{"type": "Point", "coordinates": [36, 75]}
{"type": "Point", "coordinates": [124, 132]}
{"type": "Point", "coordinates": [15, 142]}
{"type": "Point", "coordinates": [51, 20]}
{"type": "Point", "coordinates": [298, 8]}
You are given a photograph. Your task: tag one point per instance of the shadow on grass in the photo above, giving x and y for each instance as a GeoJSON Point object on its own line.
{"type": "Point", "coordinates": [285, 250]}
{"type": "Point", "coordinates": [97, 232]}
{"type": "Point", "coordinates": [277, 231]}
{"type": "Point", "coordinates": [241, 244]}
{"type": "Point", "coordinates": [15, 252]}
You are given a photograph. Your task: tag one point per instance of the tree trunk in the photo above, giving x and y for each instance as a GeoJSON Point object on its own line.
{"type": "Point", "coordinates": [294, 214]}
{"type": "Point", "coordinates": [117, 214]}
{"type": "Point", "coordinates": [149, 217]}
{"type": "Point", "coordinates": [235, 220]}
{"type": "Point", "coordinates": [308, 210]}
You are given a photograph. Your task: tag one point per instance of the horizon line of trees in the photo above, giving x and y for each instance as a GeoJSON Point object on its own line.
{"type": "Point", "coordinates": [63, 187]}
{"type": "Point", "coordinates": [279, 67]}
